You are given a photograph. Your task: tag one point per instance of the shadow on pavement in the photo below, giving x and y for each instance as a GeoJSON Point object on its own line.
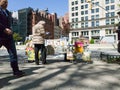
{"type": "Point", "coordinates": [5, 81]}
{"type": "Point", "coordinates": [4, 58]}
{"type": "Point", "coordinates": [50, 61]}
{"type": "Point", "coordinates": [37, 82]}
{"type": "Point", "coordinates": [80, 78]}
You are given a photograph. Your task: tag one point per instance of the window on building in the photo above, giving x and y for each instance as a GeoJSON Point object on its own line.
{"type": "Point", "coordinates": [86, 18]}
{"type": "Point", "coordinates": [106, 1]}
{"type": "Point", "coordinates": [76, 25]}
{"type": "Point", "coordinates": [82, 1]}
{"type": "Point", "coordinates": [82, 18]}
{"type": "Point", "coordinates": [95, 32]}
{"type": "Point", "coordinates": [72, 3]}
{"type": "Point", "coordinates": [92, 11]}
{"type": "Point", "coordinates": [112, 7]}
{"type": "Point", "coordinates": [72, 8]}
{"type": "Point", "coordinates": [97, 23]}
{"type": "Point", "coordinates": [108, 31]}
{"type": "Point", "coordinates": [76, 2]}
{"type": "Point", "coordinates": [82, 25]}
{"type": "Point", "coordinates": [92, 17]}
{"type": "Point", "coordinates": [97, 3]}
{"type": "Point", "coordinates": [86, 6]}
{"type": "Point", "coordinates": [93, 23]}
{"type": "Point", "coordinates": [86, 12]}
{"type": "Point", "coordinates": [75, 33]}
{"type": "Point", "coordinates": [82, 33]}
{"type": "Point", "coordinates": [107, 8]}
{"type": "Point", "coordinates": [76, 19]}
{"type": "Point", "coordinates": [92, 32]}
{"type": "Point", "coordinates": [86, 24]}
{"type": "Point", "coordinates": [76, 14]}
{"type": "Point", "coordinates": [85, 33]}
{"type": "Point", "coordinates": [82, 12]}
{"type": "Point", "coordinates": [97, 16]}
{"type": "Point", "coordinates": [72, 14]}
{"type": "Point", "coordinates": [112, 14]}
{"type": "Point", "coordinates": [107, 21]}
{"type": "Point", "coordinates": [112, 1]}
{"type": "Point", "coordinates": [82, 6]}
{"type": "Point", "coordinates": [112, 21]}
{"type": "Point", "coordinates": [76, 8]}
{"type": "Point", "coordinates": [107, 14]}
{"type": "Point", "coordinates": [97, 10]}
{"type": "Point", "coordinates": [72, 25]}
{"type": "Point", "coordinates": [72, 19]}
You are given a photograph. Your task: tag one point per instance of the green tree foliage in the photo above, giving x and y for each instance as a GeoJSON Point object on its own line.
{"type": "Point", "coordinates": [92, 41]}
{"type": "Point", "coordinates": [17, 37]}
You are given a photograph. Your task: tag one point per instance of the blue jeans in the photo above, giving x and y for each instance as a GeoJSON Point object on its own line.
{"type": "Point", "coordinates": [10, 46]}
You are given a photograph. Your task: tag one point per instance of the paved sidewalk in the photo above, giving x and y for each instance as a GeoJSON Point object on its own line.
{"type": "Point", "coordinates": [60, 75]}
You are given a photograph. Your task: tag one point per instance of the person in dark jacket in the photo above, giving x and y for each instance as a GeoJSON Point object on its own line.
{"type": "Point", "coordinates": [6, 37]}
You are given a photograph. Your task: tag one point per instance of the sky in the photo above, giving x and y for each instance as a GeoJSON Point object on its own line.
{"type": "Point", "coordinates": [54, 6]}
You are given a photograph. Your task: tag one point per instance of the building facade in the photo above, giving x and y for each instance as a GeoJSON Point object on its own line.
{"type": "Point", "coordinates": [93, 18]}
{"type": "Point", "coordinates": [14, 15]}
{"type": "Point", "coordinates": [25, 22]}
{"type": "Point", "coordinates": [27, 18]}
{"type": "Point", "coordinates": [65, 25]}
{"type": "Point", "coordinates": [47, 17]}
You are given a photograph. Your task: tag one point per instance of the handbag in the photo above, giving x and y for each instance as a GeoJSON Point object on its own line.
{"type": "Point", "coordinates": [70, 55]}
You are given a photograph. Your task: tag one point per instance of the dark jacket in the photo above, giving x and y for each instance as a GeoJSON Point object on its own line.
{"type": "Point", "coordinates": [118, 31]}
{"type": "Point", "coordinates": [118, 34]}
{"type": "Point", "coordinates": [5, 22]}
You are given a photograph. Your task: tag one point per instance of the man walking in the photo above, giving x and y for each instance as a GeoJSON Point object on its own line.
{"type": "Point", "coordinates": [6, 37]}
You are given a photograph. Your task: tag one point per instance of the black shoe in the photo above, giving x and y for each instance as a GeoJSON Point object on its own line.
{"type": "Point", "coordinates": [44, 62]}
{"type": "Point", "coordinates": [37, 63]}
{"type": "Point", "coordinates": [19, 73]}
{"type": "Point", "coordinates": [30, 61]}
